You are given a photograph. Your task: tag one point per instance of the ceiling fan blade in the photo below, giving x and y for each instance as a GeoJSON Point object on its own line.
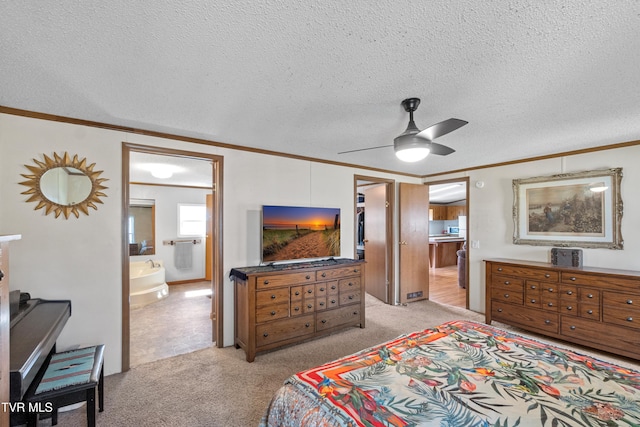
{"type": "Point", "coordinates": [365, 149]}
{"type": "Point", "coordinates": [442, 128]}
{"type": "Point", "coordinates": [439, 149]}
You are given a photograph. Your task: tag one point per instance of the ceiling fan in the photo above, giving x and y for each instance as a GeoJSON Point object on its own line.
{"type": "Point", "coordinates": [413, 144]}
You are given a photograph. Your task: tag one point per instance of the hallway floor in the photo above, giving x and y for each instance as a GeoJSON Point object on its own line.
{"type": "Point", "coordinates": [443, 287]}
{"type": "Point", "coordinates": [176, 325]}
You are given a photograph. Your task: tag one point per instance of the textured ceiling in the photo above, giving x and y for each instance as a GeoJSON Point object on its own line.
{"type": "Point", "coordinates": [315, 78]}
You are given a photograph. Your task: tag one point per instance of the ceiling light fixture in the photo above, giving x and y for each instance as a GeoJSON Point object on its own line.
{"type": "Point", "coordinates": [159, 170]}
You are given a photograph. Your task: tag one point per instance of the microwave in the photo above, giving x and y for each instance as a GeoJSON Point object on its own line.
{"type": "Point", "coordinates": [453, 230]}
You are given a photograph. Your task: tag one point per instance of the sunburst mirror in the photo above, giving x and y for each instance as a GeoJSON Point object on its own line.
{"type": "Point", "coordinates": [64, 185]}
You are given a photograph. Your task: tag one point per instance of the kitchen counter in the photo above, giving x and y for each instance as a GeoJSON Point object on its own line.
{"type": "Point", "coordinates": [442, 251]}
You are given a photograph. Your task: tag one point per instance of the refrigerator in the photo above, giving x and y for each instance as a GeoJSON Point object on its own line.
{"type": "Point", "coordinates": [462, 227]}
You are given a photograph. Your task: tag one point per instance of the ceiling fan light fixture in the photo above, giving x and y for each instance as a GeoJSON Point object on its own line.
{"type": "Point", "coordinates": [412, 154]}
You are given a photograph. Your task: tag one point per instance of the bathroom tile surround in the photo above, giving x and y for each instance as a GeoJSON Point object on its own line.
{"type": "Point", "coordinates": [176, 325]}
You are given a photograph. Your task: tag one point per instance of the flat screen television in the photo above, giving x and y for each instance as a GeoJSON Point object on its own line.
{"type": "Point", "coordinates": [295, 232]}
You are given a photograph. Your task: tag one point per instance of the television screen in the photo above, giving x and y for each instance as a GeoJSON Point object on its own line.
{"type": "Point", "coordinates": [293, 232]}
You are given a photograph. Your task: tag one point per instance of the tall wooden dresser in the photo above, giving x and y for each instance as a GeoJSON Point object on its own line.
{"type": "Point", "coordinates": [277, 305]}
{"type": "Point", "coordinates": [594, 307]}
{"type": "Point", "coordinates": [5, 321]}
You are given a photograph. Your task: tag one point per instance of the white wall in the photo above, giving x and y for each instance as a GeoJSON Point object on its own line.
{"type": "Point", "coordinates": [80, 259]}
{"type": "Point", "coordinates": [491, 221]}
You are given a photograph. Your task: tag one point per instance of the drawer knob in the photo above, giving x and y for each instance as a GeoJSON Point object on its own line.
{"type": "Point", "coordinates": [333, 287]}
{"type": "Point", "coordinates": [1, 275]}
{"type": "Point", "coordinates": [547, 275]}
{"type": "Point", "coordinates": [306, 325]}
{"type": "Point", "coordinates": [324, 274]}
{"type": "Point", "coordinates": [572, 327]}
{"type": "Point", "coordinates": [355, 313]}
{"type": "Point", "coordinates": [506, 282]}
{"type": "Point", "coordinates": [569, 308]}
{"type": "Point", "coordinates": [273, 297]}
{"type": "Point", "coordinates": [589, 311]}
{"type": "Point", "coordinates": [533, 286]}
{"type": "Point", "coordinates": [266, 282]}
{"type": "Point", "coordinates": [573, 279]}
{"type": "Point", "coordinates": [550, 304]}
{"type": "Point", "coordinates": [333, 301]}
{"type": "Point", "coordinates": [297, 292]}
{"type": "Point", "coordinates": [309, 306]}
{"type": "Point", "coordinates": [350, 284]}
{"type": "Point", "coordinates": [506, 295]}
{"type": "Point", "coordinates": [350, 296]}
{"type": "Point", "coordinates": [533, 301]}
{"type": "Point", "coordinates": [265, 334]}
{"type": "Point", "coordinates": [629, 319]}
{"type": "Point", "coordinates": [309, 291]}
{"type": "Point", "coordinates": [590, 296]}
{"type": "Point", "coordinates": [550, 289]}
{"type": "Point", "coordinates": [323, 321]}
{"type": "Point", "coordinates": [296, 309]}
{"type": "Point", "coordinates": [569, 292]}
{"type": "Point", "coordinates": [321, 289]}
{"type": "Point", "coordinates": [499, 310]}
{"type": "Point", "coordinates": [322, 304]}
{"type": "Point", "coordinates": [273, 313]}
{"type": "Point", "coordinates": [355, 270]}
{"type": "Point", "coordinates": [499, 268]}
{"type": "Point", "coordinates": [629, 301]}
{"type": "Point", "coordinates": [547, 321]}
{"type": "Point", "coordinates": [307, 277]}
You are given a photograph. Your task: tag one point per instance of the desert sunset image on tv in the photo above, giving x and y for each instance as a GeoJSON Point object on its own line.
{"type": "Point", "coordinates": [291, 232]}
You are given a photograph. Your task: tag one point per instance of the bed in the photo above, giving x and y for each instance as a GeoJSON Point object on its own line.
{"type": "Point", "coordinates": [460, 373]}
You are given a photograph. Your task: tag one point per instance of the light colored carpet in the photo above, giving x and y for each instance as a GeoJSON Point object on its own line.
{"type": "Point", "coordinates": [217, 387]}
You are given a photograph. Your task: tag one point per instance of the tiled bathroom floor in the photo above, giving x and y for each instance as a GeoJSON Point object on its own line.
{"type": "Point", "coordinates": [176, 325]}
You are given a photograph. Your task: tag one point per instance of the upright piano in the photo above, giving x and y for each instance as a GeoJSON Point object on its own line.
{"type": "Point", "coordinates": [35, 327]}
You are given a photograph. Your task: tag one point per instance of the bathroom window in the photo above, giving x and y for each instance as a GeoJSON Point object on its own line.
{"type": "Point", "coordinates": [191, 220]}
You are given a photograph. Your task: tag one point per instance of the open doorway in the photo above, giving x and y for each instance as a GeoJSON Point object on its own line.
{"type": "Point", "coordinates": [448, 224]}
{"type": "Point", "coordinates": [176, 253]}
{"type": "Point", "coordinates": [374, 233]}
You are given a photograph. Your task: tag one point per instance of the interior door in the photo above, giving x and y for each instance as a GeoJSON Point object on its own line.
{"type": "Point", "coordinates": [375, 244]}
{"type": "Point", "coordinates": [414, 242]}
{"type": "Point", "coordinates": [208, 264]}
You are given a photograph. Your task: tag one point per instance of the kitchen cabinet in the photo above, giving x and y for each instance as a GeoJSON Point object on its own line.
{"type": "Point", "coordinates": [444, 252]}
{"type": "Point", "coordinates": [437, 213]}
{"type": "Point", "coordinates": [453, 212]}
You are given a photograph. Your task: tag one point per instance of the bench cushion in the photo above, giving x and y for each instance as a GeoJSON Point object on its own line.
{"type": "Point", "coordinates": [69, 368]}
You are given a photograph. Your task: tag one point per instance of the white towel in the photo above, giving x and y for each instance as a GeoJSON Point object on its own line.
{"type": "Point", "coordinates": [183, 255]}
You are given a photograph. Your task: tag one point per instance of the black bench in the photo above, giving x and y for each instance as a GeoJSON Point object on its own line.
{"type": "Point", "coordinates": [70, 377]}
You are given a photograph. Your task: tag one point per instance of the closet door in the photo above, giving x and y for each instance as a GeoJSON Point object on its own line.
{"type": "Point", "coordinates": [414, 242]}
{"type": "Point", "coordinates": [375, 241]}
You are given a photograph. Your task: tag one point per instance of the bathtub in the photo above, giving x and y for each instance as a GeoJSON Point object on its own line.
{"type": "Point", "coordinates": [146, 284]}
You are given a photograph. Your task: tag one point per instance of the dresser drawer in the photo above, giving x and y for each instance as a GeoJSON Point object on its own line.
{"type": "Point", "coordinates": [339, 272]}
{"type": "Point", "coordinates": [603, 281]}
{"type": "Point", "coordinates": [272, 312]}
{"type": "Point", "coordinates": [506, 282]}
{"type": "Point", "coordinates": [338, 317]}
{"type": "Point", "coordinates": [569, 292]}
{"type": "Point", "coordinates": [271, 297]}
{"type": "Point", "coordinates": [525, 272]}
{"type": "Point", "coordinates": [601, 335]}
{"type": "Point", "coordinates": [349, 285]}
{"type": "Point", "coordinates": [507, 295]}
{"type": "Point", "coordinates": [284, 329]}
{"type": "Point", "coordinates": [527, 318]}
{"type": "Point", "coordinates": [621, 309]}
{"type": "Point", "coordinates": [332, 288]}
{"type": "Point", "coordinates": [589, 295]}
{"type": "Point", "coordinates": [590, 311]}
{"type": "Point", "coordinates": [271, 281]}
{"type": "Point", "coordinates": [349, 297]}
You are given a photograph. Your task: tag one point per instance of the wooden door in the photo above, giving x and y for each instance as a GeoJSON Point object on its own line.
{"type": "Point", "coordinates": [414, 242]}
{"type": "Point", "coordinates": [208, 263]}
{"type": "Point", "coordinates": [375, 241]}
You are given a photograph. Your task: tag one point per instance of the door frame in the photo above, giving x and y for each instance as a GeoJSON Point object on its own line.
{"type": "Point", "coordinates": [391, 197]}
{"type": "Point", "coordinates": [217, 279]}
{"type": "Point", "coordinates": [468, 201]}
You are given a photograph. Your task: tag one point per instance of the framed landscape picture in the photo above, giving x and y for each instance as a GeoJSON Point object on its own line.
{"type": "Point", "coordinates": [582, 209]}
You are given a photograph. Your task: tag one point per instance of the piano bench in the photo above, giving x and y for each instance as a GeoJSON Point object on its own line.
{"type": "Point", "coordinates": [70, 377]}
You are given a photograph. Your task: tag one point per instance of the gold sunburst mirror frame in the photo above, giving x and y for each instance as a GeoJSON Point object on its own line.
{"type": "Point", "coordinates": [64, 185]}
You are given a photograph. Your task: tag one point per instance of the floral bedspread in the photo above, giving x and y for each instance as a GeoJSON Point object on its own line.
{"type": "Point", "coordinates": [460, 374]}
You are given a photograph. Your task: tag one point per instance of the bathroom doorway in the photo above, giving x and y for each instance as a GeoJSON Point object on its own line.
{"type": "Point", "coordinates": [185, 314]}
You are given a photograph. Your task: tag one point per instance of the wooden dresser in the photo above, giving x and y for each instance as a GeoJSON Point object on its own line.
{"type": "Point", "coordinates": [4, 325]}
{"type": "Point", "coordinates": [594, 307]}
{"type": "Point", "coordinates": [287, 303]}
